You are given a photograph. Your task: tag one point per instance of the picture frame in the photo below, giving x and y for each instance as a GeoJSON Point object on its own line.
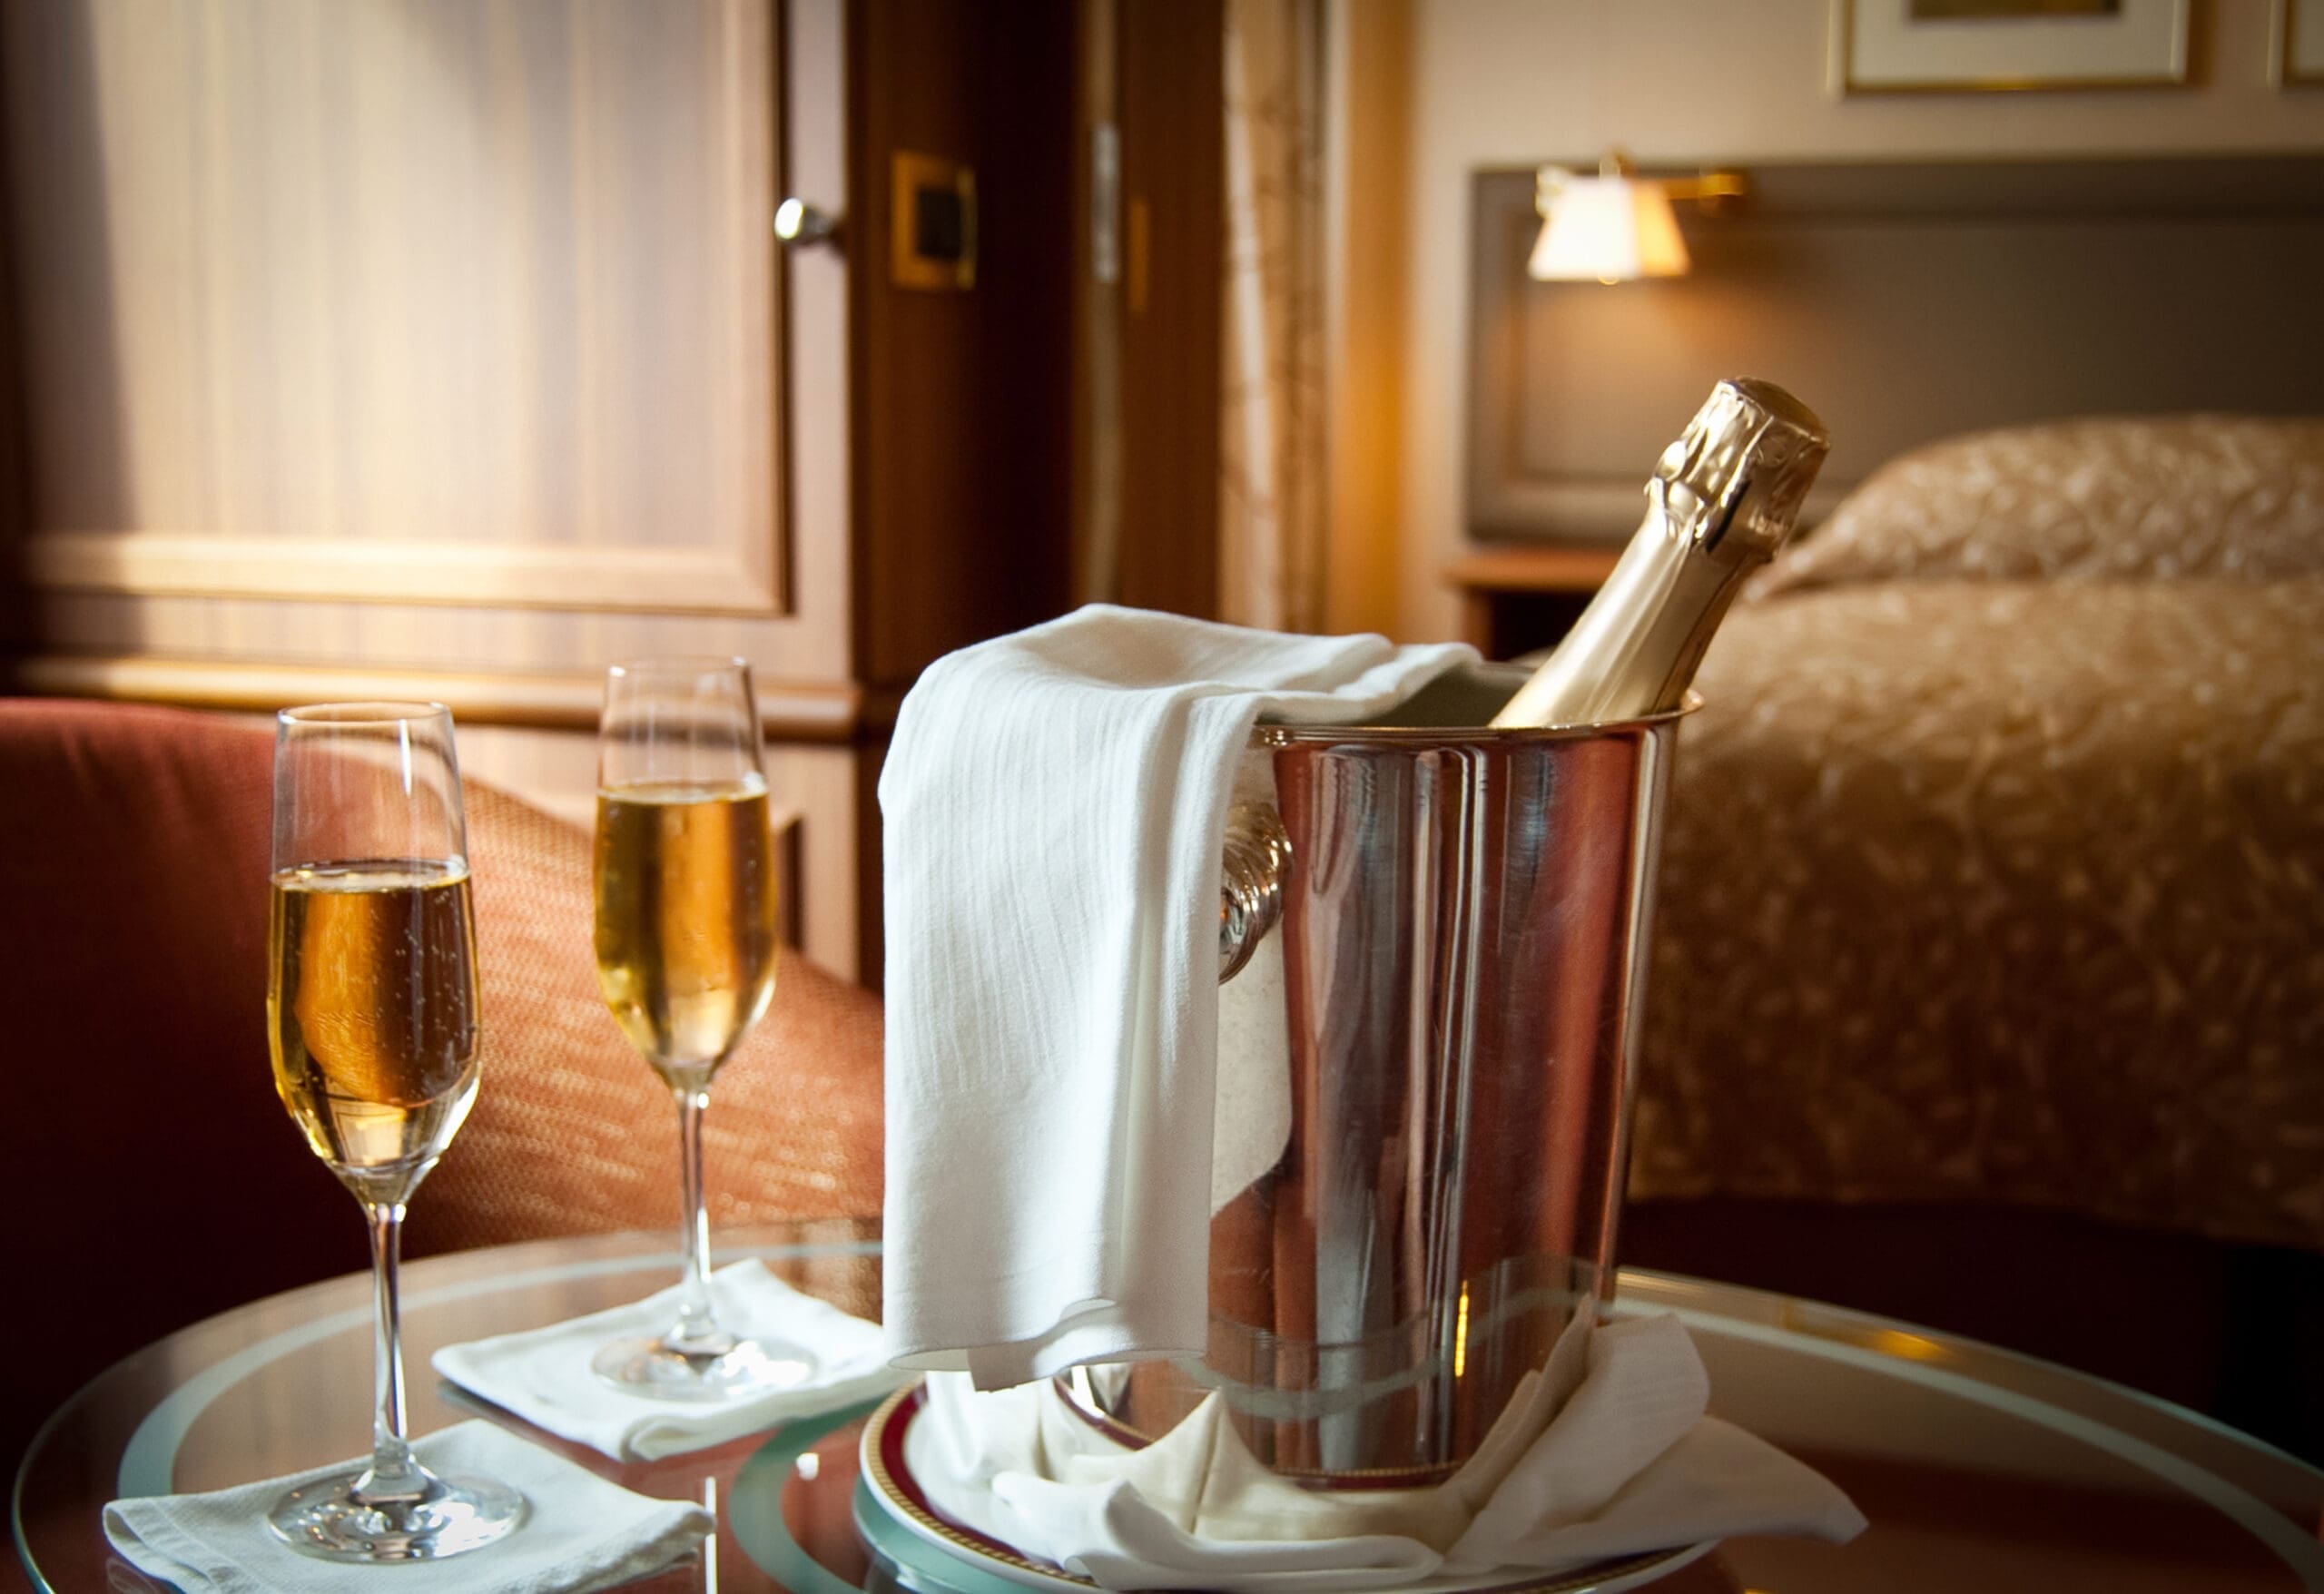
{"type": "Point", "coordinates": [1954, 46]}
{"type": "Point", "coordinates": [2295, 45]}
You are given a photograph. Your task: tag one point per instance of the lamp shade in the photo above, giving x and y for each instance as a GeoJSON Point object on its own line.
{"type": "Point", "coordinates": [1612, 228]}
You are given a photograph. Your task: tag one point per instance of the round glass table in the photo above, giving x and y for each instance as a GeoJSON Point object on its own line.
{"type": "Point", "coordinates": [1978, 1469]}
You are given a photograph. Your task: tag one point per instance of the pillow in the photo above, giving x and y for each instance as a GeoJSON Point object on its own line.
{"type": "Point", "coordinates": [2096, 499]}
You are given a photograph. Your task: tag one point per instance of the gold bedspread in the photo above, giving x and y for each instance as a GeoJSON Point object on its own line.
{"type": "Point", "coordinates": [2000, 891]}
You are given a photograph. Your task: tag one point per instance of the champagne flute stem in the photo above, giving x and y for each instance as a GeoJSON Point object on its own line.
{"type": "Point", "coordinates": [391, 1474]}
{"type": "Point", "coordinates": [697, 1331]}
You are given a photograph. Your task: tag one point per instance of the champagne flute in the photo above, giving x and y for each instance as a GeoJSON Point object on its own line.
{"type": "Point", "coordinates": [685, 937]}
{"type": "Point", "coordinates": [371, 1016]}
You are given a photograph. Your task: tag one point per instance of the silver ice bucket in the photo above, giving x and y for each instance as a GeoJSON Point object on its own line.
{"type": "Point", "coordinates": [1434, 943]}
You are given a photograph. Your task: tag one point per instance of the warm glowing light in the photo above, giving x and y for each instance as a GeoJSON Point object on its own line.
{"type": "Point", "coordinates": [1614, 228]}
{"type": "Point", "coordinates": [1461, 1335]}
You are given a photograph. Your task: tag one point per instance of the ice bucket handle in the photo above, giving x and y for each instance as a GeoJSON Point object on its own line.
{"type": "Point", "coordinates": [1250, 883]}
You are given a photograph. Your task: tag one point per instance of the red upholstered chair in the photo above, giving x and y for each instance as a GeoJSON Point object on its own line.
{"type": "Point", "coordinates": [149, 1175]}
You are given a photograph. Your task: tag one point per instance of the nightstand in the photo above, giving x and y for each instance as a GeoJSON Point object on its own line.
{"type": "Point", "coordinates": [1516, 599]}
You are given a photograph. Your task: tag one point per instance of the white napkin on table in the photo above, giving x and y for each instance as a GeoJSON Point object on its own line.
{"type": "Point", "coordinates": [579, 1533]}
{"type": "Point", "coordinates": [1605, 1451]}
{"type": "Point", "coordinates": [543, 1374]}
{"type": "Point", "coordinates": [1055, 802]}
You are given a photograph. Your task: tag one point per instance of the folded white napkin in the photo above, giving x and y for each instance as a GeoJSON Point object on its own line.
{"type": "Point", "coordinates": [1056, 804]}
{"type": "Point", "coordinates": [579, 1531]}
{"type": "Point", "coordinates": [1605, 1451]}
{"type": "Point", "coordinates": [543, 1375]}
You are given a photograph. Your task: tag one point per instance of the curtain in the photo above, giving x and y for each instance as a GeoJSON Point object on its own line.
{"type": "Point", "coordinates": [1271, 453]}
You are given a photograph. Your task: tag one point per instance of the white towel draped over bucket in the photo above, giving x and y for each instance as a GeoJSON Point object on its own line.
{"type": "Point", "coordinates": [1055, 803]}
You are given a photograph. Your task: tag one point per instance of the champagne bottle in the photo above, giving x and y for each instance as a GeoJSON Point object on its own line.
{"type": "Point", "coordinates": [1720, 502]}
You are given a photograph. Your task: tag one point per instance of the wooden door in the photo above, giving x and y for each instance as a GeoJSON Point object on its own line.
{"type": "Point", "coordinates": [388, 347]}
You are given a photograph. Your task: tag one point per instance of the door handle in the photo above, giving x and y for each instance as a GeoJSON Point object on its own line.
{"type": "Point", "coordinates": [800, 223]}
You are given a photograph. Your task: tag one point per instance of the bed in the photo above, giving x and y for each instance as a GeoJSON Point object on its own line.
{"type": "Point", "coordinates": [1995, 864]}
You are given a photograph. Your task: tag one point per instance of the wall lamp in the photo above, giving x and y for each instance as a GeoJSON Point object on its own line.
{"type": "Point", "coordinates": [1616, 226]}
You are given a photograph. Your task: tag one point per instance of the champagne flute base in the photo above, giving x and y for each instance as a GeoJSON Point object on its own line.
{"type": "Point", "coordinates": [444, 1516]}
{"type": "Point", "coordinates": [656, 1370]}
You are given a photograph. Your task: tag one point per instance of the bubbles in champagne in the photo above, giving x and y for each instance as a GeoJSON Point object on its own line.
{"type": "Point", "coordinates": [685, 931]}
{"type": "Point", "coordinates": [372, 1008]}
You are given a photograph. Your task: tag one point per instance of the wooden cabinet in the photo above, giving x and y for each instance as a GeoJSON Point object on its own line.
{"type": "Point", "coordinates": [423, 351]}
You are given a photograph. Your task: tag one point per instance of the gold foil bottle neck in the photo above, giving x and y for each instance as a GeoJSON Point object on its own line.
{"type": "Point", "coordinates": [1720, 502]}
{"type": "Point", "coordinates": [1734, 481]}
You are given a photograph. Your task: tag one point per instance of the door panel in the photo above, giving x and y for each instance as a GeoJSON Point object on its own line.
{"type": "Point", "coordinates": [384, 301]}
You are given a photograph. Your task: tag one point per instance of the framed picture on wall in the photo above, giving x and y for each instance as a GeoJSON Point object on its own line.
{"type": "Point", "coordinates": [2298, 55]}
{"type": "Point", "coordinates": [1888, 46]}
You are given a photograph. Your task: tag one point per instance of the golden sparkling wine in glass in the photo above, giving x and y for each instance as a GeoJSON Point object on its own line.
{"type": "Point", "coordinates": [373, 1022]}
{"type": "Point", "coordinates": [686, 947]}
{"type": "Point", "coordinates": [686, 917]}
{"type": "Point", "coordinates": [372, 1007]}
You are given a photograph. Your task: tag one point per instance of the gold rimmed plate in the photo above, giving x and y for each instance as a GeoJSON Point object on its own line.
{"type": "Point", "coordinates": [902, 1525]}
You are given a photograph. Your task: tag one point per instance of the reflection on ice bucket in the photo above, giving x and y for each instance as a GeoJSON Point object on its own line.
{"type": "Point", "coordinates": [1424, 1086]}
